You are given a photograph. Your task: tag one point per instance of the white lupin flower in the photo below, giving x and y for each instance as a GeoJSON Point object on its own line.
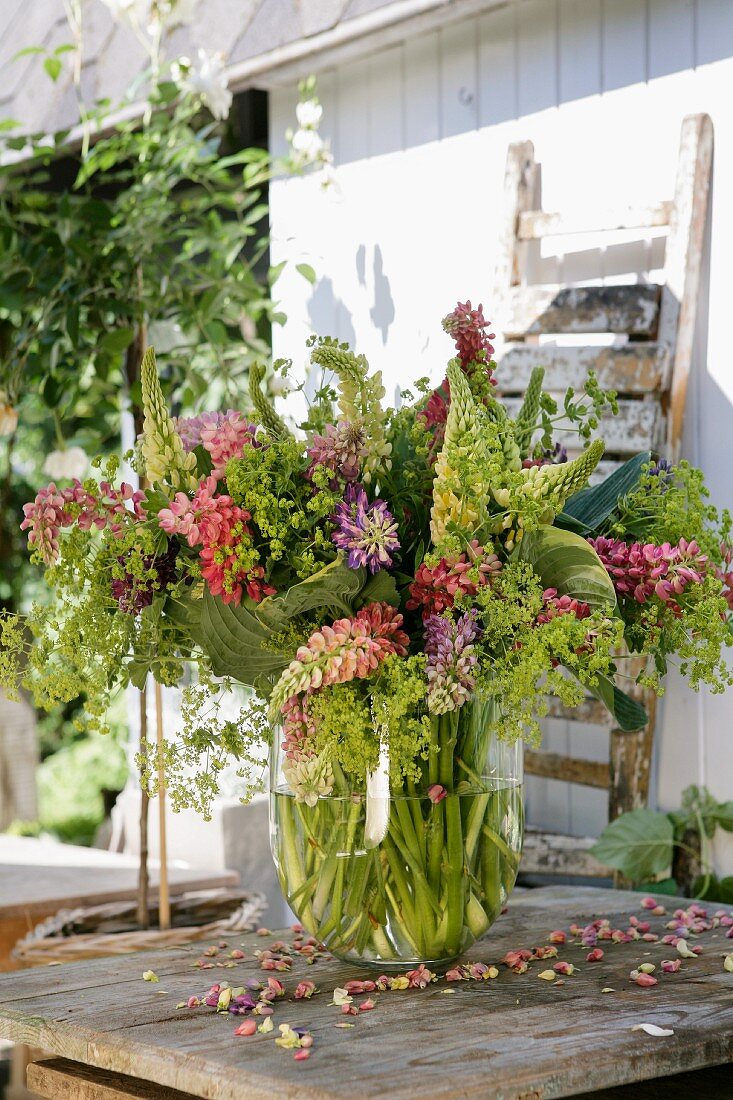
{"type": "Point", "coordinates": [128, 11]}
{"type": "Point", "coordinates": [308, 143]}
{"type": "Point", "coordinates": [308, 114]}
{"type": "Point", "coordinates": [208, 80]}
{"type": "Point", "coordinates": [150, 14]}
{"type": "Point", "coordinates": [69, 463]}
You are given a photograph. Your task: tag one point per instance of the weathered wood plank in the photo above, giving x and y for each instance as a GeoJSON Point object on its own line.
{"type": "Point", "coordinates": [60, 1079]}
{"type": "Point", "coordinates": [533, 224]}
{"type": "Point", "coordinates": [636, 368]}
{"type": "Point", "coordinates": [520, 185]}
{"type": "Point", "coordinates": [532, 310]}
{"type": "Point", "coordinates": [590, 710]}
{"type": "Point", "coordinates": [683, 262]}
{"type": "Point", "coordinates": [637, 426]}
{"type": "Point", "coordinates": [517, 1037]}
{"type": "Point", "coordinates": [546, 853]}
{"type": "Point", "coordinates": [570, 769]}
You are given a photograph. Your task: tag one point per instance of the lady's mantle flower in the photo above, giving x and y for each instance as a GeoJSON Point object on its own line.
{"type": "Point", "coordinates": [341, 450]}
{"type": "Point", "coordinates": [435, 588]}
{"type": "Point", "coordinates": [223, 434]}
{"type": "Point", "coordinates": [368, 532]}
{"type": "Point", "coordinates": [133, 593]}
{"type": "Point", "coordinates": [642, 570]}
{"type": "Point", "coordinates": [451, 659]}
{"type": "Point", "coordinates": [56, 508]}
{"type": "Point", "coordinates": [350, 649]}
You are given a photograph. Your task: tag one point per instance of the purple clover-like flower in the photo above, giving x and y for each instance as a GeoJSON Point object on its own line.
{"type": "Point", "coordinates": [451, 660]}
{"type": "Point", "coordinates": [368, 532]}
{"type": "Point", "coordinates": [133, 594]}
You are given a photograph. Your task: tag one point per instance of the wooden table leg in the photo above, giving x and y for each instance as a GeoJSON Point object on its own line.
{"type": "Point", "coordinates": [20, 1059]}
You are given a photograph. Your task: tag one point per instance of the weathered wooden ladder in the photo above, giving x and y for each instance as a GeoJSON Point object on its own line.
{"type": "Point", "coordinates": [649, 372]}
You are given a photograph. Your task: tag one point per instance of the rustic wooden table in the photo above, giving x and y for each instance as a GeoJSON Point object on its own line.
{"type": "Point", "coordinates": [511, 1037]}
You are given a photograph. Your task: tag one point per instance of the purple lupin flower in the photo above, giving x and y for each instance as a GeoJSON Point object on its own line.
{"type": "Point", "coordinates": [367, 532]}
{"type": "Point", "coordinates": [451, 660]}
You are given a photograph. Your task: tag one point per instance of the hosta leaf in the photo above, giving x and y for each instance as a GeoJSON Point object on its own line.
{"type": "Point", "coordinates": [592, 505]}
{"type": "Point", "coordinates": [381, 588]}
{"type": "Point", "coordinates": [629, 714]}
{"type": "Point", "coordinates": [565, 561]}
{"type": "Point", "coordinates": [335, 586]}
{"type": "Point", "coordinates": [234, 639]}
{"type": "Point", "coordinates": [638, 844]}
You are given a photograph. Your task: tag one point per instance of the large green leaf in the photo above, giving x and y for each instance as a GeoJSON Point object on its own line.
{"type": "Point", "coordinates": [629, 714]}
{"type": "Point", "coordinates": [592, 505]}
{"type": "Point", "coordinates": [381, 588]}
{"type": "Point", "coordinates": [335, 586]}
{"type": "Point", "coordinates": [234, 640]}
{"type": "Point", "coordinates": [565, 561]}
{"type": "Point", "coordinates": [638, 844]}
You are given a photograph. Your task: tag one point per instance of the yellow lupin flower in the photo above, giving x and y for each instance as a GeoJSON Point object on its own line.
{"type": "Point", "coordinates": [165, 457]}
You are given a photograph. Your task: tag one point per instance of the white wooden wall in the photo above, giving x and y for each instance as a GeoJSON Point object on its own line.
{"type": "Point", "coordinates": [419, 134]}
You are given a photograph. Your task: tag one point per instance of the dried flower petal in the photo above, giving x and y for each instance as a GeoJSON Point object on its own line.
{"type": "Point", "coordinates": [728, 963]}
{"type": "Point", "coordinates": [645, 980]}
{"type": "Point", "coordinates": [652, 1029]}
{"type": "Point", "coordinates": [594, 956]}
{"type": "Point", "coordinates": [247, 1027]}
{"type": "Point", "coordinates": [671, 966]}
{"type": "Point", "coordinates": [547, 975]}
{"type": "Point", "coordinates": [150, 976]}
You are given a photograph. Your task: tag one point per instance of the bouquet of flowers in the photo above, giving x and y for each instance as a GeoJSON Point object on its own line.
{"type": "Point", "coordinates": [402, 590]}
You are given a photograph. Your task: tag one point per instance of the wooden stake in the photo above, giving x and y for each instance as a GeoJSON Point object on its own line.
{"type": "Point", "coordinates": [164, 905]}
{"type": "Point", "coordinates": [143, 878]}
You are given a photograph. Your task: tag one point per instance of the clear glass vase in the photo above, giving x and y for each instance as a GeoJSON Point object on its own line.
{"type": "Point", "coordinates": [395, 875]}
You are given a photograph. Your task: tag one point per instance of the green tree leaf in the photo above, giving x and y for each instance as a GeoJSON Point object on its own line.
{"type": "Point", "coordinates": [117, 339]}
{"type": "Point", "coordinates": [307, 272]}
{"type": "Point", "coordinates": [639, 844]}
{"type": "Point", "coordinates": [566, 562]}
{"type": "Point", "coordinates": [53, 67]}
{"type": "Point", "coordinates": [593, 505]}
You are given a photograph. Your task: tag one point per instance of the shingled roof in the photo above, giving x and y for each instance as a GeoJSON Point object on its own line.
{"type": "Point", "coordinates": [262, 41]}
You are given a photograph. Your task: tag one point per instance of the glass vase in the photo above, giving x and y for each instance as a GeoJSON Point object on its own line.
{"type": "Point", "coordinates": [402, 874]}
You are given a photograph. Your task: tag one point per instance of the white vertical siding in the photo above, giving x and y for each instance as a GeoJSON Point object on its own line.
{"type": "Point", "coordinates": [420, 135]}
